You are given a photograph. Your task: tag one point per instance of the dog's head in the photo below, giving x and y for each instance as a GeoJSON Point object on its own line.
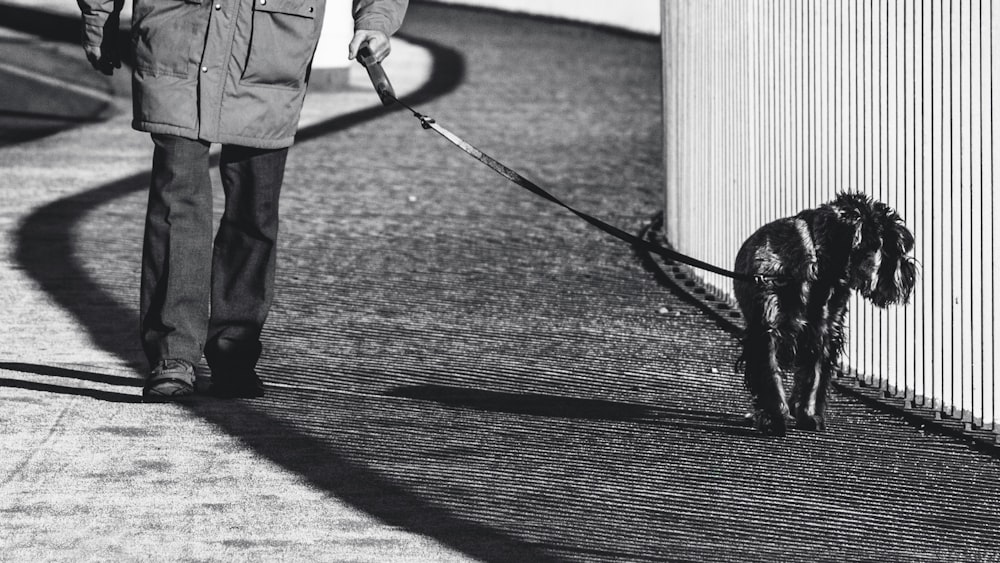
{"type": "Point", "coordinates": [880, 264]}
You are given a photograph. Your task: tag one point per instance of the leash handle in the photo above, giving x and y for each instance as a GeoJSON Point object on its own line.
{"type": "Point", "coordinates": [377, 75]}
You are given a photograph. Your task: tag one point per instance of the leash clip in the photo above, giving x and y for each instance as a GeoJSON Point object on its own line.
{"type": "Point", "coordinates": [425, 121]}
{"type": "Point", "coordinates": [771, 280]}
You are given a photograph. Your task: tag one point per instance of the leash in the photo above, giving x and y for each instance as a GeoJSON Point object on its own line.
{"type": "Point", "coordinates": [386, 93]}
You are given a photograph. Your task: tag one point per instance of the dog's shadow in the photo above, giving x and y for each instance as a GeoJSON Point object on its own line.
{"type": "Point", "coordinates": [555, 406]}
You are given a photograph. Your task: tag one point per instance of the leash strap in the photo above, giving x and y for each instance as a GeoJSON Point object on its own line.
{"type": "Point", "coordinates": [512, 175]}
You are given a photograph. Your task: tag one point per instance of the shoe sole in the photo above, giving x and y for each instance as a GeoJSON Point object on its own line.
{"type": "Point", "coordinates": [167, 391]}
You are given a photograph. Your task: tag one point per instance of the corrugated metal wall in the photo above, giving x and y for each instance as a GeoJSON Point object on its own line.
{"type": "Point", "coordinates": [772, 106]}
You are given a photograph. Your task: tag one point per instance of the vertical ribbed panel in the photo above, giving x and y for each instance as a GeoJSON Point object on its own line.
{"type": "Point", "coordinates": [774, 106]}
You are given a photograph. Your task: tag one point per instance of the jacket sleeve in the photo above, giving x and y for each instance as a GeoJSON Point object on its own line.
{"type": "Point", "coordinates": [96, 14]}
{"type": "Point", "coordinates": [378, 15]}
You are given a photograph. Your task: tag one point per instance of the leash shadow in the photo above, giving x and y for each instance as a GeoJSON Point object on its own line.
{"type": "Point", "coordinates": [107, 396]}
{"type": "Point", "coordinates": [555, 406]}
{"type": "Point", "coordinates": [78, 375]}
{"type": "Point", "coordinates": [52, 371]}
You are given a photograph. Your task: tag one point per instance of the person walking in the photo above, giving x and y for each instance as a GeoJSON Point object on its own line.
{"type": "Point", "coordinates": [232, 72]}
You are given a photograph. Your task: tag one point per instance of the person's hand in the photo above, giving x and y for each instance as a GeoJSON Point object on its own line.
{"type": "Point", "coordinates": [377, 42]}
{"type": "Point", "coordinates": [104, 57]}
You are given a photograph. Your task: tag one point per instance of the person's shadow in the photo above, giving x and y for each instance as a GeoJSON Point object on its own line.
{"type": "Point", "coordinates": [46, 250]}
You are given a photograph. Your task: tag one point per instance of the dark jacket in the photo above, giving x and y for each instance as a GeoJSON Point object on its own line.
{"type": "Point", "coordinates": [226, 71]}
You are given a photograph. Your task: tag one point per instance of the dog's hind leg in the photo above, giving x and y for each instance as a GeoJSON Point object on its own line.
{"type": "Point", "coordinates": [762, 376]}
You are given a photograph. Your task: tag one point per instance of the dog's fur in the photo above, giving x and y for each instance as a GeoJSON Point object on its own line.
{"type": "Point", "coordinates": [810, 263]}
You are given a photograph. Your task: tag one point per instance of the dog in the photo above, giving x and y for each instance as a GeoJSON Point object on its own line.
{"type": "Point", "coordinates": [806, 267]}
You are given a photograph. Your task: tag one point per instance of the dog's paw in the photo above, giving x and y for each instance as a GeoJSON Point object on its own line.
{"type": "Point", "coordinates": [769, 423]}
{"type": "Point", "coordinates": [814, 422]}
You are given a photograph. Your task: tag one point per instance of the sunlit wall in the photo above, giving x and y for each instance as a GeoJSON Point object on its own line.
{"type": "Point", "coordinates": [772, 106]}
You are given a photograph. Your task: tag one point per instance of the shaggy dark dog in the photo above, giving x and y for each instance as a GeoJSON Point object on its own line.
{"type": "Point", "coordinates": [809, 264]}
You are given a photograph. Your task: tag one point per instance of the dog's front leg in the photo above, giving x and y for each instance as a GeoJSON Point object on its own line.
{"type": "Point", "coordinates": [809, 388]}
{"type": "Point", "coordinates": [819, 360]}
{"type": "Point", "coordinates": [809, 393]}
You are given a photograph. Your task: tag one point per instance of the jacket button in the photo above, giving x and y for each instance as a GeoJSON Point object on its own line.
{"type": "Point", "coordinates": [218, 6]}
{"type": "Point", "coordinates": [204, 69]}
{"type": "Point", "coordinates": [310, 9]}
{"type": "Point", "coordinates": [263, 2]}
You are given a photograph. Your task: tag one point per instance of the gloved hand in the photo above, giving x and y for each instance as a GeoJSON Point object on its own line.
{"type": "Point", "coordinates": [105, 57]}
{"type": "Point", "coordinates": [377, 42]}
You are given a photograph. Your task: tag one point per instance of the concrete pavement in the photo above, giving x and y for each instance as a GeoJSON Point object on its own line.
{"type": "Point", "coordinates": [89, 473]}
{"type": "Point", "coordinates": [459, 370]}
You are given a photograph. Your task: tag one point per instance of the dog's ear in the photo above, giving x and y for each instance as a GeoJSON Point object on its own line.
{"type": "Point", "coordinates": [894, 230]}
{"type": "Point", "coordinates": [906, 279]}
{"type": "Point", "coordinates": [895, 283]}
{"type": "Point", "coordinates": [897, 271]}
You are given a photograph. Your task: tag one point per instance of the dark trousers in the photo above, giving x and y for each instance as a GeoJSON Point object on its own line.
{"type": "Point", "coordinates": [196, 296]}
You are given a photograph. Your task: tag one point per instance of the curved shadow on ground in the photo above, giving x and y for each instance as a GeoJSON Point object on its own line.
{"type": "Point", "coordinates": [45, 248]}
{"type": "Point", "coordinates": [32, 110]}
{"type": "Point", "coordinates": [561, 458]}
{"type": "Point", "coordinates": [44, 24]}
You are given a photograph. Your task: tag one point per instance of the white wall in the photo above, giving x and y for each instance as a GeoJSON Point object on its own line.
{"type": "Point", "coordinates": [634, 15]}
{"type": "Point", "coordinates": [772, 107]}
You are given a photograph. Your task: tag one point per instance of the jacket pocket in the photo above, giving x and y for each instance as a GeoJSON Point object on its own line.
{"type": "Point", "coordinates": [282, 42]}
{"type": "Point", "coordinates": [167, 35]}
